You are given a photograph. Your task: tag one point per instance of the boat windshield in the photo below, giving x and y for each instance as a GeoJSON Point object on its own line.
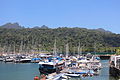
{"type": "Point", "coordinates": [47, 66]}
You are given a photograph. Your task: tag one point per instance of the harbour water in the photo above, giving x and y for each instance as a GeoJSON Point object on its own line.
{"type": "Point", "coordinates": [27, 71]}
{"type": "Point", "coordinates": [20, 71]}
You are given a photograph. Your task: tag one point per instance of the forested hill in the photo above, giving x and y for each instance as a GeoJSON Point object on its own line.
{"type": "Point", "coordinates": [27, 39]}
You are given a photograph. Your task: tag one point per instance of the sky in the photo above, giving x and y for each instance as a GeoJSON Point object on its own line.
{"type": "Point", "coordinates": [91, 14]}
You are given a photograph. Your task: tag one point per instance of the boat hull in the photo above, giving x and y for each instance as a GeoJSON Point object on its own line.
{"type": "Point", "coordinates": [73, 75]}
{"type": "Point", "coordinates": [114, 72]}
{"type": "Point", "coordinates": [46, 71]}
{"type": "Point", "coordinates": [8, 60]}
{"type": "Point", "coordinates": [25, 61]}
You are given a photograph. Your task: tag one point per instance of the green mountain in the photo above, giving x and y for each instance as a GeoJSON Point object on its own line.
{"type": "Point", "coordinates": [37, 39]}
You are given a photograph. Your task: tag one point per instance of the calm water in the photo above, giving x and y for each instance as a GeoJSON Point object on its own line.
{"type": "Point", "coordinates": [11, 71]}
{"type": "Point", "coordinates": [27, 71]}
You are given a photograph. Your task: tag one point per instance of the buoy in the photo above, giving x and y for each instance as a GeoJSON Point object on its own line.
{"type": "Point", "coordinates": [36, 78]}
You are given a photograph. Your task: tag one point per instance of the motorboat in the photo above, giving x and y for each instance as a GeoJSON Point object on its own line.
{"type": "Point", "coordinates": [51, 65]}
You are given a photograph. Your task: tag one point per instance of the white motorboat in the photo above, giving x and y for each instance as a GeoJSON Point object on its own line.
{"type": "Point", "coordinates": [72, 75]}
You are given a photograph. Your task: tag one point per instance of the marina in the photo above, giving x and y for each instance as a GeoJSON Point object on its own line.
{"type": "Point", "coordinates": [27, 71]}
{"type": "Point", "coordinates": [60, 40]}
{"type": "Point", "coordinates": [82, 67]}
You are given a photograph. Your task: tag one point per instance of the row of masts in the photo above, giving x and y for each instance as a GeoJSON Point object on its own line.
{"type": "Point", "coordinates": [67, 49]}
{"type": "Point", "coordinates": [22, 48]}
{"type": "Point", "coordinates": [55, 50]}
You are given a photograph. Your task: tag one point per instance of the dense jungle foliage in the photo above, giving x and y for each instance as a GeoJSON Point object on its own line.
{"type": "Point", "coordinates": [14, 38]}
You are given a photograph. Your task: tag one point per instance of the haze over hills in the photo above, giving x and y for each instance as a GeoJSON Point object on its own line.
{"type": "Point", "coordinates": [102, 30]}
{"type": "Point", "coordinates": [43, 38]}
{"type": "Point", "coordinates": [17, 26]}
{"type": "Point", "coordinates": [11, 25]}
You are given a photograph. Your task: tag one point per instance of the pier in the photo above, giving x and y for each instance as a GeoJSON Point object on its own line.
{"type": "Point", "coordinates": [104, 57]}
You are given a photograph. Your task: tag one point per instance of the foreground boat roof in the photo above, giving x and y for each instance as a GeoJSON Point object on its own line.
{"type": "Point", "coordinates": [51, 63]}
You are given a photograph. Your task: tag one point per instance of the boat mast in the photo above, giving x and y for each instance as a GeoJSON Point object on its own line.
{"type": "Point", "coordinates": [55, 49]}
{"type": "Point", "coordinates": [67, 50]}
{"type": "Point", "coordinates": [21, 47]}
{"type": "Point", "coordinates": [4, 49]}
{"type": "Point", "coordinates": [8, 51]}
{"type": "Point", "coordinates": [95, 48]}
{"type": "Point", "coordinates": [14, 48]}
{"type": "Point", "coordinates": [79, 49]}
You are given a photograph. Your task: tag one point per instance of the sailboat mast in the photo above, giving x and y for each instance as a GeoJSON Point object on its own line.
{"type": "Point", "coordinates": [55, 49]}
{"type": "Point", "coordinates": [67, 50]}
{"type": "Point", "coordinates": [14, 48]}
{"type": "Point", "coordinates": [95, 48]}
{"type": "Point", "coordinates": [21, 47]}
{"type": "Point", "coordinates": [79, 49]}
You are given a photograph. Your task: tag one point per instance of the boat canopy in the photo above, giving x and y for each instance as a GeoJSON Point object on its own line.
{"type": "Point", "coordinates": [83, 61]}
{"type": "Point", "coordinates": [36, 59]}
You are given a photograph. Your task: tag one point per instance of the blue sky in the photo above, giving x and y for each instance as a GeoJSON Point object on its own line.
{"type": "Point", "coordinates": [89, 14]}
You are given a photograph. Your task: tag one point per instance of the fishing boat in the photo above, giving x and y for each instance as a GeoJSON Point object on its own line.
{"type": "Point", "coordinates": [51, 65]}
